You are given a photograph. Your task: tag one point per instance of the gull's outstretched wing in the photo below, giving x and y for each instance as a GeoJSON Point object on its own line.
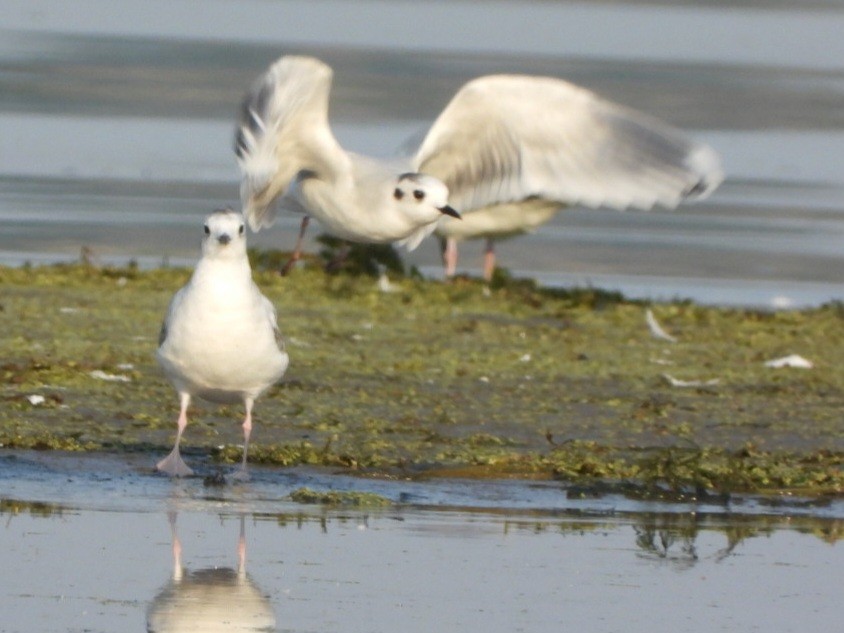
{"type": "Point", "coordinates": [283, 130]}
{"type": "Point", "coordinates": [505, 138]}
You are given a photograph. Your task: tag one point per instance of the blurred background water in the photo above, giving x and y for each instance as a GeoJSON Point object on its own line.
{"type": "Point", "coordinates": [116, 126]}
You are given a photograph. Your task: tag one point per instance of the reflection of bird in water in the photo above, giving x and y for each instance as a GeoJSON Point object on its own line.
{"type": "Point", "coordinates": [656, 540]}
{"type": "Point", "coordinates": [209, 600]}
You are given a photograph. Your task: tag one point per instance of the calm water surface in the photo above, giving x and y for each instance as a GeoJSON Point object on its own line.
{"type": "Point", "coordinates": [116, 126]}
{"type": "Point", "coordinates": [93, 544]}
{"type": "Point", "coordinates": [308, 571]}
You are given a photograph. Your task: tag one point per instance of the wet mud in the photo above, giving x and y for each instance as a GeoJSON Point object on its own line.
{"type": "Point", "coordinates": [434, 379]}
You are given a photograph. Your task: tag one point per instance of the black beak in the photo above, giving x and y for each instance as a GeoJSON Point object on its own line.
{"type": "Point", "coordinates": [224, 239]}
{"type": "Point", "coordinates": [447, 210]}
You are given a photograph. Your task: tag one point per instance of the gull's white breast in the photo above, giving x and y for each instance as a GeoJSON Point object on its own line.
{"type": "Point", "coordinates": [220, 341]}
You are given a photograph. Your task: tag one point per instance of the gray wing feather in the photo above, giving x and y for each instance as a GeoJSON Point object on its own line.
{"type": "Point", "coordinates": [272, 317]}
{"type": "Point", "coordinates": [506, 138]}
{"type": "Point", "coordinates": [171, 310]}
{"type": "Point", "coordinates": [283, 130]}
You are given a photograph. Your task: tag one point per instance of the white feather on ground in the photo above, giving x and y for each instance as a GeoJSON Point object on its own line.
{"type": "Point", "coordinates": [656, 329]}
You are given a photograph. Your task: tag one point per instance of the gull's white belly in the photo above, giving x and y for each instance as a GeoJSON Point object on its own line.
{"type": "Point", "coordinates": [222, 356]}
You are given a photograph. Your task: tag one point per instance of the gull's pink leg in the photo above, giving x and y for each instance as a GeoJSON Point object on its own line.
{"type": "Point", "coordinates": [450, 257]}
{"type": "Point", "coordinates": [297, 250]}
{"type": "Point", "coordinates": [242, 474]}
{"type": "Point", "coordinates": [177, 547]}
{"type": "Point", "coordinates": [241, 547]}
{"type": "Point", "coordinates": [489, 260]}
{"type": "Point", "coordinates": [173, 464]}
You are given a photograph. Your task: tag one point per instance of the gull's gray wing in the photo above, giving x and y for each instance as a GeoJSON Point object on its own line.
{"type": "Point", "coordinates": [175, 301]}
{"type": "Point", "coordinates": [505, 138]}
{"type": "Point", "coordinates": [272, 317]}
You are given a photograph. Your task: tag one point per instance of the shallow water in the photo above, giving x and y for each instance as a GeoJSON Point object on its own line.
{"type": "Point", "coordinates": [91, 544]}
{"type": "Point", "coordinates": [116, 127]}
{"type": "Point", "coordinates": [350, 571]}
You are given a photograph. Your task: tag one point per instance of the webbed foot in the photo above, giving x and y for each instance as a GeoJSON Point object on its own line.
{"type": "Point", "coordinates": [174, 465]}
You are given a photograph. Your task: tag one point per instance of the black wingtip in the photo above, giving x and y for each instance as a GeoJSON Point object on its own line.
{"type": "Point", "coordinates": [254, 109]}
{"type": "Point", "coordinates": [700, 189]}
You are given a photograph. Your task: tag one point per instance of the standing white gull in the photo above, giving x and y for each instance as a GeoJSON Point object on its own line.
{"type": "Point", "coordinates": [220, 339]}
{"type": "Point", "coordinates": [508, 149]}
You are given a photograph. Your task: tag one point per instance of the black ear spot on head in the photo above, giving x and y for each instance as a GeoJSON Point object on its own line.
{"type": "Point", "coordinates": [398, 194]}
{"type": "Point", "coordinates": [207, 230]}
{"type": "Point", "coordinates": [418, 194]}
{"type": "Point", "coordinates": [240, 230]}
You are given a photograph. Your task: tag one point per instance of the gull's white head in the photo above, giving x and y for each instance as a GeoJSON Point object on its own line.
{"type": "Point", "coordinates": [225, 235]}
{"type": "Point", "coordinates": [422, 198]}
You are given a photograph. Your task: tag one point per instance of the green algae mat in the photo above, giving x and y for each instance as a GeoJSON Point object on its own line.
{"type": "Point", "coordinates": [433, 379]}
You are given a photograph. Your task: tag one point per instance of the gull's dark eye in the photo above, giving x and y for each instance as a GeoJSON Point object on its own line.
{"type": "Point", "coordinates": [418, 194]}
{"type": "Point", "coordinates": [398, 194]}
{"type": "Point", "coordinates": [240, 230]}
{"type": "Point", "coordinates": [207, 230]}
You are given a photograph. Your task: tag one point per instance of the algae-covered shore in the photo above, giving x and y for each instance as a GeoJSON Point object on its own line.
{"type": "Point", "coordinates": [435, 379]}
